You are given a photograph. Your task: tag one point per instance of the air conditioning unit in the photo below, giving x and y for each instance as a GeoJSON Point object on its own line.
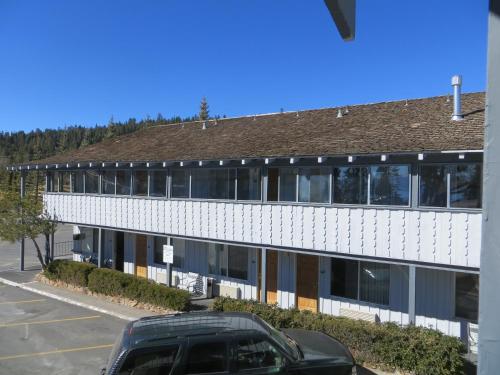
{"type": "Point", "coordinates": [359, 315]}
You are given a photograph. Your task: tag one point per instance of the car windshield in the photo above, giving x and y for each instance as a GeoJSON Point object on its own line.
{"type": "Point", "coordinates": [289, 345]}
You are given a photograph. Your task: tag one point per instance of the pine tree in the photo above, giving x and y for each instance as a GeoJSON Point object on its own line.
{"type": "Point", "coordinates": [204, 113]}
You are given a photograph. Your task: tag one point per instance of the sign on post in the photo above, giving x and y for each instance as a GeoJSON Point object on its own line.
{"type": "Point", "coordinates": [168, 254]}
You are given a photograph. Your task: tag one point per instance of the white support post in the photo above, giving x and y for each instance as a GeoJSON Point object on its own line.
{"type": "Point", "coordinates": [100, 251]}
{"type": "Point", "coordinates": [411, 294]}
{"type": "Point", "coordinates": [263, 272]}
{"type": "Point", "coordinates": [21, 241]}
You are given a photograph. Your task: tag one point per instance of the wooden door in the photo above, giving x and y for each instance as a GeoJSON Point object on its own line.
{"type": "Point", "coordinates": [141, 256]}
{"type": "Point", "coordinates": [272, 276]}
{"type": "Point", "coordinates": [307, 282]}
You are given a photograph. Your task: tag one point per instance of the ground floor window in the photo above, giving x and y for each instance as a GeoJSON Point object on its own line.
{"type": "Point", "coordinates": [227, 260]}
{"type": "Point", "coordinates": [364, 281]}
{"type": "Point", "coordinates": [158, 249]}
{"type": "Point", "coordinates": [466, 296]}
{"type": "Point", "coordinates": [179, 253]}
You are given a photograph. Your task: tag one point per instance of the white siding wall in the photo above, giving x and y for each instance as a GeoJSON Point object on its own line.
{"type": "Point", "coordinates": [451, 238]}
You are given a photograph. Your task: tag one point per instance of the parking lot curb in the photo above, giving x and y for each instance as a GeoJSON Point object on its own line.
{"type": "Point", "coordinates": [67, 300]}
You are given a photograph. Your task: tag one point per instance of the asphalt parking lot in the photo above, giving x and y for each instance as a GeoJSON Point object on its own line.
{"type": "Point", "coordinates": [39, 335]}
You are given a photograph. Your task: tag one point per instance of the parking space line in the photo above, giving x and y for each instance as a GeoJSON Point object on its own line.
{"type": "Point", "coordinates": [4, 325]}
{"type": "Point", "coordinates": [23, 301]}
{"type": "Point", "coordinates": [60, 351]}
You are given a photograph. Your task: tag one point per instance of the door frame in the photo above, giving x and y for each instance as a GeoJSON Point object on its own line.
{"type": "Point", "coordinates": [297, 262]}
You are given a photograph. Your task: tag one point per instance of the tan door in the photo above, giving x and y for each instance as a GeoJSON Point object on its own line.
{"type": "Point", "coordinates": [141, 256]}
{"type": "Point", "coordinates": [307, 282]}
{"type": "Point", "coordinates": [272, 276]}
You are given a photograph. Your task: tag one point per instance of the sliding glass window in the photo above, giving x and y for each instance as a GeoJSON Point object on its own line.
{"type": "Point", "coordinates": [123, 181]}
{"type": "Point", "coordinates": [390, 185]}
{"type": "Point", "coordinates": [158, 183]}
{"type": "Point", "coordinates": [433, 186]}
{"type": "Point", "coordinates": [180, 183]}
{"type": "Point", "coordinates": [108, 182]}
{"type": "Point", "coordinates": [91, 182]}
{"type": "Point", "coordinates": [140, 183]}
{"type": "Point", "coordinates": [350, 185]}
{"type": "Point", "coordinates": [288, 184]}
{"type": "Point", "coordinates": [213, 183]}
{"type": "Point", "coordinates": [465, 186]}
{"type": "Point", "coordinates": [249, 184]}
{"type": "Point", "coordinates": [314, 185]}
{"type": "Point", "coordinates": [363, 281]}
{"type": "Point", "coordinates": [77, 182]}
{"type": "Point", "coordinates": [50, 186]}
{"type": "Point", "coordinates": [450, 186]}
{"type": "Point", "coordinates": [62, 180]}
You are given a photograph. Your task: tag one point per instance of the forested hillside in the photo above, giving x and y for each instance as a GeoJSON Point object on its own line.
{"type": "Point", "coordinates": [18, 147]}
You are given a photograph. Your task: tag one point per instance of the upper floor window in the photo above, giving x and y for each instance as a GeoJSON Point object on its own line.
{"type": "Point", "coordinates": [180, 183]}
{"type": "Point", "coordinates": [140, 183]}
{"type": "Point", "coordinates": [249, 184]}
{"type": "Point", "coordinates": [108, 182]}
{"type": "Point", "coordinates": [311, 185]}
{"type": "Point", "coordinates": [465, 185]}
{"type": "Point", "coordinates": [213, 183]}
{"type": "Point", "coordinates": [450, 186]}
{"type": "Point", "coordinates": [123, 180]}
{"type": "Point", "coordinates": [390, 185]}
{"type": "Point", "coordinates": [77, 183]}
{"type": "Point", "coordinates": [350, 185]}
{"type": "Point", "coordinates": [91, 182]}
{"type": "Point", "coordinates": [59, 182]}
{"type": "Point", "coordinates": [314, 185]}
{"type": "Point", "coordinates": [158, 183]}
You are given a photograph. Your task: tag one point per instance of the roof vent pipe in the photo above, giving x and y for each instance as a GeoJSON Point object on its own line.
{"type": "Point", "coordinates": [456, 82]}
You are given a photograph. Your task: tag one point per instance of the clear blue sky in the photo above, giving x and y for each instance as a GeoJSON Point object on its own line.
{"type": "Point", "coordinates": [80, 62]}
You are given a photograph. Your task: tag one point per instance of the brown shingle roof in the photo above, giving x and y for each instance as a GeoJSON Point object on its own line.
{"type": "Point", "coordinates": [390, 127]}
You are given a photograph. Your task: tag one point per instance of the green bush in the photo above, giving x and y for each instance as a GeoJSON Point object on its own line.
{"type": "Point", "coordinates": [115, 283]}
{"type": "Point", "coordinates": [412, 349]}
{"type": "Point", "coordinates": [74, 273]}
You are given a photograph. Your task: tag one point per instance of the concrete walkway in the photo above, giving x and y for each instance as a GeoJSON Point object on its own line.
{"type": "Point", "coordinates": [26, 280]}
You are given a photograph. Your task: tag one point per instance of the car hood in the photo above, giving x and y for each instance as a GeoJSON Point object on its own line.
{"type": "Point", "coordinates": [319, 346]}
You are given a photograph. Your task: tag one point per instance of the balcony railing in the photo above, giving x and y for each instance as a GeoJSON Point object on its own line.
{"type": "Point", "coordinates": [443, 237]}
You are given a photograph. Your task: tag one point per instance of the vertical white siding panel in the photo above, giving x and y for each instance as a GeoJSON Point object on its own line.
{"type": "Point", "coordinates": [238, 222]}
{"type": "Point", "coordinates": [474, 240]}
{"type": "Point", "coordinates": [229, 221]}
{"type": "Point", "coordinates": [308, 227]}
{"type": "Point", "coordinates": [344, 231]}
{"type": "Point", "coordinates": [212, 220]}
{"type": "Point", "coordinates": [267, 223]}
{"type": "Point", "coordinates": [331, 229]}
{"type": "Point", "coordinates": [288, 218]}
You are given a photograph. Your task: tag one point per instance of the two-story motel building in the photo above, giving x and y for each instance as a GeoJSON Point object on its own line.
{"type": "Point", "coordinates": [372, 209]}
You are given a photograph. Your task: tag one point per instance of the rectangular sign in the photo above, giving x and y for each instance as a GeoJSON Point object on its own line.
{"type": "Point", "coordinates": [168, 254]}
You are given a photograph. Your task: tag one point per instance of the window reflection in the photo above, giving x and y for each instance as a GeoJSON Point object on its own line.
{"type": "Point", "coordinates": [350, 185]}
{"type": "Point", "coordinates": [465, 186]}
{"type": "Point", "coordinates": [389, 185]}
{"type": "Point", "coordinates": [123, 182]}
{"type": "Point", "coordinates": [433, 186]}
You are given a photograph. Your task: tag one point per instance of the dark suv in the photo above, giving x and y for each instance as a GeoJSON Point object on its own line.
{"type": "Point", "coordinates": [223, 343]}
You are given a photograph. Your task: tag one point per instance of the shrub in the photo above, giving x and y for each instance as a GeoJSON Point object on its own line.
{"type": "Point", "coordinates": [418, 350]}
{"type": "Point", "coordinates": [116, 283]}
{"type": "Point", "coordinates": [70, 272]}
